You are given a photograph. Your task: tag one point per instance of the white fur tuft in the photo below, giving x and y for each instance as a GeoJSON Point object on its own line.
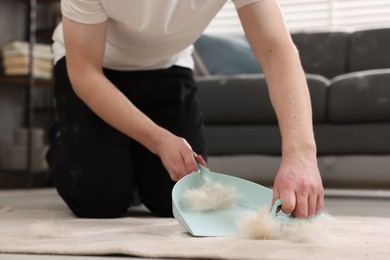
{"type": "Point", "coordinates": [263, 226]}
{"type": "Point", "coordinates": [210, 196]}
{"type": "Point", "coordinates": [260, 225]}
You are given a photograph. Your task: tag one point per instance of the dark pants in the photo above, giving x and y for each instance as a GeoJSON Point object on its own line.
{"type": "Point", "coordinates": [96, 168]}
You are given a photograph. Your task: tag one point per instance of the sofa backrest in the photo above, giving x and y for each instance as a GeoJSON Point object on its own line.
{"type": "Point", "coordinates": [360, 97]}
{"type": "Point", "coordinates": [369, 49]}
{"type": "Point", "coordinates": [328, 54]}
{"type": "Point", "coordinates": [234, 100]}
{"type": "Point", "coordinates": [323, 53]}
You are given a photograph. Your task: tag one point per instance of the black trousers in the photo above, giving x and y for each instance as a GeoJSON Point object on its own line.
{"type": "Point", "coordinates": [97, 168]}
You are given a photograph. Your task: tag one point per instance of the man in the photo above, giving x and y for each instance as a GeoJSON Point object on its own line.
{"type": "Point", "coordinates": [128, 111]}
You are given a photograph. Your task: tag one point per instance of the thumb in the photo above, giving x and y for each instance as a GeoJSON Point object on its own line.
{"type": "Point", "coordinates": [288, 201]}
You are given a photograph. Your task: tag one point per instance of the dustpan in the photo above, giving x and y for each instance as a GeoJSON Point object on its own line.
{"type": "Point", "coordinates": [220, 222]}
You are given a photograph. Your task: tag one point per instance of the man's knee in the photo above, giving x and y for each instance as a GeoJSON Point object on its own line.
{"type": "Point", "coordinates": [99, 206]}
{"type": "Point", "coordinates": [158, 206]}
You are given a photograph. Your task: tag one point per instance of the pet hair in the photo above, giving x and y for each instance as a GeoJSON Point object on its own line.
{"type": "Point", "coordinates": [263, 226]}
{"type": "Point", "coordinates": [210, 196]}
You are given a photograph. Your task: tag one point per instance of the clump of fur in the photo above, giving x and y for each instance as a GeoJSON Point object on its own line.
{"type": "Point", "coordinates": [46, 229]}
{"type": "Point", "coordinates": [263, 226]}
{"type": "Point", "coordinates": [210, 196]}
{"type": "Point", "coordinates": [260, 225]}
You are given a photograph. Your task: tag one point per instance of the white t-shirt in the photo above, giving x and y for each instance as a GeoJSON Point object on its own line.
{"type": "Point", "coordinates": [144, 34]}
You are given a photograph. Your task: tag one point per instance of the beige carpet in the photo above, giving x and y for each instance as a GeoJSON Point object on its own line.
{"type": "Point", "coordinates": [37, 222]}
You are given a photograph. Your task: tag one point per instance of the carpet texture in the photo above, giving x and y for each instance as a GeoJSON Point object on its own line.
{"type": "Point", "coordinates": [37, 222]}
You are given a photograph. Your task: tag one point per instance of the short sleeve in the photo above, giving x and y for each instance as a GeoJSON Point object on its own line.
{"type": "Point", "coordinates": [241, 3]}
{"type": "Point", "coordinates": [84, 11]}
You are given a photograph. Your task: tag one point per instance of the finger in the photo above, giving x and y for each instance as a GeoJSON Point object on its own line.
{"type": "Point", "coordinates": [176, 166]}
{"type": "Point", "coordinates": [199, 159]}
{"type": "Point", "coordinates": [320, 204]}
{"type": "Point", "coordinates": [275, 196]}
{"type": "Point", "coordinates": [177, 169]}
{"type": "Point", "coordinates": [177, 173]}
{"type": "Point", "coordinates": [190, 163]}
{"type": "Point", "coordinates": [301, 206]}
{"type": "Point", "coordinates": [312, 206]}
{"type": "Point", "coordinates": [288, 201]}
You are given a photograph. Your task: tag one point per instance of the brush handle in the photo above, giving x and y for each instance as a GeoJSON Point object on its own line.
{"type": "Point", "coordinates": [282, 217]}
{"type": "Point", "coordinates": [274, 210]}
{"type": "Point", "coordinates": [287, 218]}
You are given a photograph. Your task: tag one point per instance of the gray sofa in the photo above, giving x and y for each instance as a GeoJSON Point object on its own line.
{"type": "Point", "coordinates": [348, 75]}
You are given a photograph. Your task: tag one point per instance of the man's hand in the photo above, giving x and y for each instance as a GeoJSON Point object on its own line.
{"type": "Point", "coordinates": [298, 185]}
{"type": "Point", "coordinates": [178, 157]}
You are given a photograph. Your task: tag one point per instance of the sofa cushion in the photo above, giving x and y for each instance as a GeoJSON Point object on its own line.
{"type": "Point", "coordinates": [347, 139]}
{"type": "Point", "coordinates": [360, 97]}
{"type": "Point", "coordinates": [243, 99]}
{"type": "Point", "coordinates": [331, 139]}
{"type": "Point", "coordinates": [369, 49]}
{"type": "Point", "coordinates": [226, 55]}
{"type": "Point", "coordinates": [243, 139]}
{"type": "Point", "coordinates": [322, 53]}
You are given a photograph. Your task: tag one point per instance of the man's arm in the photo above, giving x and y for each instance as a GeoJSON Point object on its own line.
{"type": "Point", "coordinates": [298, 183]}
{"type": "Point", "coordinates": [85, 45]}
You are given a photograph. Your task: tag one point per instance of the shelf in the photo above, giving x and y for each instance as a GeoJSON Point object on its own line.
{"type": "Point", "coordinates": [28, 178]}
{"type": "Point", "coordinates": [23, 81]}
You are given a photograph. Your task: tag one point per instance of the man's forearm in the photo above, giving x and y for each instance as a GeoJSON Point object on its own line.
{"type": "Point", "coordinates": [270, 40]}
{"type": "Point", "coordinates": [291, 99]}
{"type": "Point", "coordinates": [114, 108]}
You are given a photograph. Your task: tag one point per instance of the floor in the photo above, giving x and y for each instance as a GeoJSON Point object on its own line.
{"type": "Point", "coordinates": [337, 202]}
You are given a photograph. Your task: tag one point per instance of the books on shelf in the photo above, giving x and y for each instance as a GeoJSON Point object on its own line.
{"type": "Point", "coordinates": [23, 61]}
{"type": "Point", "coordinates": [23, 45]}
{"type": "Point", "coordinates": [18, 71]}
{"type": "Point", "coordinates": [16, 59]}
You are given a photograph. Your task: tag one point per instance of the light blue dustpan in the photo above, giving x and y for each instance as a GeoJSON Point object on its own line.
{"type": "Point", "coordinates": [220, 222]}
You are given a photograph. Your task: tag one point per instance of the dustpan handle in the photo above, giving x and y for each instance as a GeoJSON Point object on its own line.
{"type": "Point", "coordinates": [203, 171]}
